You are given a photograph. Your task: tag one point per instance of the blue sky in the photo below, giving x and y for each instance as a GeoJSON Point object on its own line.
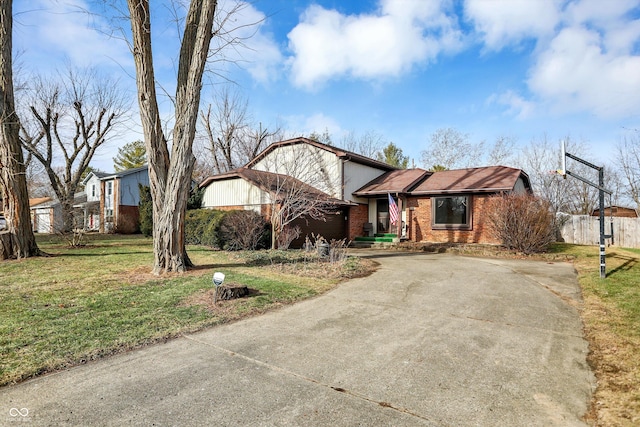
{"type": "Point", "coordinates": [401, 68]}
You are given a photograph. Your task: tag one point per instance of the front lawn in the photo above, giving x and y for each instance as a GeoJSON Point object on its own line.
{"type": "Point", "coordinates": [611, 316]}
{"type": "Point", "coordinates": [84, 303]}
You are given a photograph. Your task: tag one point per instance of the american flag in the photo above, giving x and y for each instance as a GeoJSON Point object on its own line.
{"type": "Point", "coordinates": [394, 213]}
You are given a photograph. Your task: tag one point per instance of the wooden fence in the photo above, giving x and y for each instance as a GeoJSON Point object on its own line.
{"type": "Point", "coordinates": [585, 230]}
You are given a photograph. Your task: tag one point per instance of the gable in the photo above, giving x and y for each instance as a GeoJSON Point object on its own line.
{"type": "Point", "coordinates": [331, 170]}
{"type": "Point", "coordinates": [310, 164]}
{"type": "Point", "coordinates": [234, 191]}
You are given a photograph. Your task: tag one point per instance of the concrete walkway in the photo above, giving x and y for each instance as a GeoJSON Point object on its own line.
{"type": "Point", "coordinates": [428, 340]}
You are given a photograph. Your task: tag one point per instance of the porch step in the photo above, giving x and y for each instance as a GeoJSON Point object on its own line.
{"type": "Point", "coordinates": [358, 244]}
{"type": "Point", "coordinates": [378, 238]}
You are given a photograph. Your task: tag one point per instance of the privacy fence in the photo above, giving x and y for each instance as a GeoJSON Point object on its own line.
{"type": "Point", "coordinates": [585, 230]}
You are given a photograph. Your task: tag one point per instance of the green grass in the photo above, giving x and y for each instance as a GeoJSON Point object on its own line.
{"type": "Point", "coordinates": [83, 303]}
{"type": "Point", "coordinates": [611, 315]}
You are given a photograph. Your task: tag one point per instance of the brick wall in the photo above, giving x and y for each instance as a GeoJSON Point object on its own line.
{"type": "Point", "coordinates": [420, 230]}
{"type": "Point", "coordinates": [128, 220]}
{"type": "Point", "coordinates": [358, 217]}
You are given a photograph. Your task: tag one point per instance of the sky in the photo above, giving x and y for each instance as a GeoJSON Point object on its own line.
{"type": "Point", "coordinates": [523, 69]}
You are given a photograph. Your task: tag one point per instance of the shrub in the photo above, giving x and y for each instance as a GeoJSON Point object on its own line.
{"type": "Point", "coordinates": [145, 209]}
{"type": "Point", "coordinates": [195, 198]}
{"type": "Point", "coordinates": [522, 222]}
{"type": "Point", "coordinates": [288, 235]}
{"type": "Point", "coordinates": [201, 226]}
{"type": "Point", "coordinates": [242, 230]}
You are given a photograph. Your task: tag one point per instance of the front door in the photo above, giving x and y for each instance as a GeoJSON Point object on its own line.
{"type": "Point", "coordinates": [382, 216]}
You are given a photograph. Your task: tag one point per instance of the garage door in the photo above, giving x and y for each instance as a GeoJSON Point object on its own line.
{"type": "Point", "coordinates": [335, 227]}
{"type": "Point", "coordinates": [43, 221]}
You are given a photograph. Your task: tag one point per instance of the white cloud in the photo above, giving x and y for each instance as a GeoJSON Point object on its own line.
{"type": "Point", "coordinates": [48, 29]}
{"type": "Point", "coordinates": [516, 105]}
{"type": "Point", "coordinates": [507, 22]}
{"type": "Point", "coordinates": [401, 34]}
{"type": "Point", "coordinates": [575, 74]}
{"type": "Point", "coordinates": [257, 51]}
{"type": "Point", "coordinates": [585, 58]}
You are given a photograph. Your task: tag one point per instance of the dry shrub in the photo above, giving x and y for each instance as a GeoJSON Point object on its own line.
{"type": "Point", "coordinates": [522, 222]}
{"type": "Point", "coordinates": [242, 230]}
{"type": "Point", "coordinates": [288, 235]}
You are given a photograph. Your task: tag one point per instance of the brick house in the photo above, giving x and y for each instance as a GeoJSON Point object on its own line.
{"type": "Point", "coordinates": [112, 200]}
{"type": "Point", "coordinates": [442, 206]}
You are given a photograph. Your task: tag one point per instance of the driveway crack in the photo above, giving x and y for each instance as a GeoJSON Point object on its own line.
{"type": "Point", "coordinates": [284, 371]}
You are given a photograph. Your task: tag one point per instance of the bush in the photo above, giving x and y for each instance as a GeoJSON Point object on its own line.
{"type": "Point", "coordinates": [242, 230]}
{"type": "Point", "coordinates": [201, 226]}
{"type": "Point", "coordinates": [145, 209]}
{"type": "Point", "coordinates": [522, 222]}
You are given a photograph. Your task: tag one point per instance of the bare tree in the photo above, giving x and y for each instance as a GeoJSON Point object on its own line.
{"type": "Point", "coordinates": [71, 117]}
{"type": "Point", "coordinates": [369, 144]}
{"type": "Point", "coordinates": [540, 159]}
{"type": "Point", "coordinates": [451, 149]}
{"type": "Point", "coordinates": [502, 151]}
{"type": "Point", "coordinates": [170, 171]}
{"type": "Point", "coordinates": [225, 125]}
{"type": "Point", "coordinates": [231, 137]}
{"type": "Point", "coordinates": [628, 162]}
{"type": "Point", "coordinates": [13, 183]}
{"type": "Point", "coordinates": [290, 199]}
{"type": "Point", "coordinates": [299, 186]}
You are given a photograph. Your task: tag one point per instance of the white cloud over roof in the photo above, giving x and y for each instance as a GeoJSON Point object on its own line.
{"type": "Point", "coordinates": [400, 35]}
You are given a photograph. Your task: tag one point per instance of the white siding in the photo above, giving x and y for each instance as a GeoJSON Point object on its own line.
{"type": "Point", "coordinates": [317, 167]}
{"type": "Point", "coordinates": [92, 189]}
{"type": "Point", "coordinates": [233, 192]}
{"type": "Point", "coordinates": [355, 176]}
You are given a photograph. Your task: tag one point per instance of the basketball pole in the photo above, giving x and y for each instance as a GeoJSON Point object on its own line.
{"type": "Point", "coordinates": [601, 192]}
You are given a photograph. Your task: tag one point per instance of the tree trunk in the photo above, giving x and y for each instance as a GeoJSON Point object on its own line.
{"type": "Point", "coordinates": [13, 183]}
{"type": "Point", "coordinates": [170, 178]}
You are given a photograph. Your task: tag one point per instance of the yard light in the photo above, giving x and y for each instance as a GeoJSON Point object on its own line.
{"type": "Point", "coordinates": [218, 278]}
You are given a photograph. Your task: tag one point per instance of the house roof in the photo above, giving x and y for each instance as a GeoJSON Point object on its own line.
{"type": "Point", "coordinates": [38, 200]}
{"type": "Point", "coordinates": [616, 211]}
{"type": "Point", "coordinates": [474, 180]}
{"type": "Point", "coordinates": [48, 202]}
{"type": "Point", "coordinates": [339, 152]}
{"type": "Point", "coordinates": [396, 181]}
{"type": "Point", "coordinates": [270, 182]}
{"type": "Point", "coordinates": [111, 175]}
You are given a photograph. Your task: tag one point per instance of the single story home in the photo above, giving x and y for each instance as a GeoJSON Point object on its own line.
{"type": "Point", "coordinates": [446, 206]}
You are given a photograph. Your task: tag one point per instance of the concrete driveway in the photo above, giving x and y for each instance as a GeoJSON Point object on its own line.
{"type": "Point", "coordinates": [428, 340]}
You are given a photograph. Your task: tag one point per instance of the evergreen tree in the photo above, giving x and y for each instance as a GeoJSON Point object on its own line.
{"type": "Point", "coordinates": [392, 155]}
{"type": "Point", "coordinates": [145, 210]}
{"type": "Point", "coordinates": [131, 155]}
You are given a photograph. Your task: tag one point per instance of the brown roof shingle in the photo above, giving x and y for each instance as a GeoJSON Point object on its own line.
{"type": "Point", "coordinates": [397, 181]}
{"type": "Point", "coordinates": [473, 180]}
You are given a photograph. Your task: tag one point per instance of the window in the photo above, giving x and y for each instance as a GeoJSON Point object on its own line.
{"type": "Point", "coordinates": [93, 190]}
{"type": "Point", "coordinates": [452, 212]}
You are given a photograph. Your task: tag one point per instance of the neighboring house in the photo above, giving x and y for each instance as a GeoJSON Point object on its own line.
{"type": "Point", "coordinates": [619, 211]}
{"type": "Point", "coordinates": [46, 213]}
{"type": "Point", "coordinates": [112, 200]}
{"type": "Point", "coordinates": [445, 206]}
